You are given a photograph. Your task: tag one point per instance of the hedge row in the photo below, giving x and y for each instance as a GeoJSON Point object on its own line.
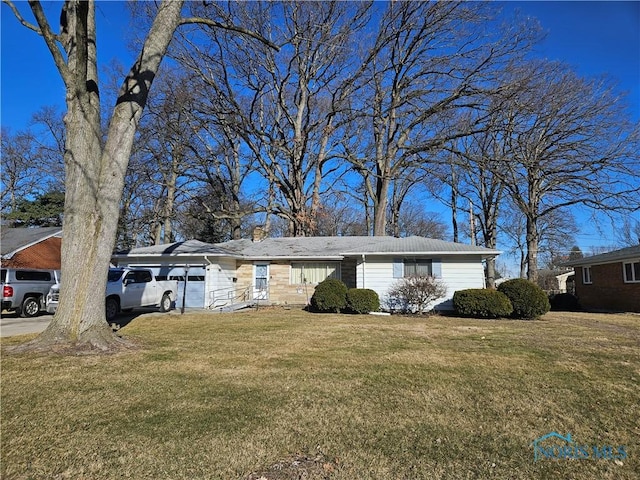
{"type": "Point", "coordinates": [517, 298]}
{"type": "Point", "coordinates": [333, 296]}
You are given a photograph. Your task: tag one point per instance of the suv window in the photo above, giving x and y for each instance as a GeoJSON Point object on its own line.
{"type": "Point", "coordinates": [114, 275]}
{"type": "Point", "coordinates": [3, 275]}
{"type": "Point", "coordinates": [138, 276]}
{"type": "Point", "coordinates": [144, 276]}
{"type": "Point", "coordinates": [33, 276]}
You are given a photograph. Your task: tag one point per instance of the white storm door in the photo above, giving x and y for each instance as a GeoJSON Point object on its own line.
{"type": "Point", "coordinates": [261, 281]}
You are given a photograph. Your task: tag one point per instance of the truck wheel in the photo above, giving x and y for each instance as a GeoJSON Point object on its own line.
{"type": "Point", "coordinates": [165, 303]}
{"type": "Point", "coordinates": [30, 307]}
{"type": "Point", "coordinates": [111, 308]}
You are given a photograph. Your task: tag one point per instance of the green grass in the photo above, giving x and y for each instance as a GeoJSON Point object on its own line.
{"type": "Point", "coordinates": [281, 394]}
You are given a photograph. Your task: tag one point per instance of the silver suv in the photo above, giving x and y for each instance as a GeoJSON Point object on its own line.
{"type": "Point", "coordinates": [24, 289]}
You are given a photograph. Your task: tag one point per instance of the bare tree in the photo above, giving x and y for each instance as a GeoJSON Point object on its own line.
{"type": "Point", "coordinates": [166, 135]}
{"type": "Point", "coordinates": [570, 143]}
{"type": "Point", "coordinates": [429, 61]}
{"type": "Point", "coordinates": [220, 165]}
{"type": "Point", "coordinates": [628, 233]}
{"type": "Point", "coordinates": [472, 161]}
{"type": "Point", "coordinates": [414, 220]}
{"type": "Point", "coordinates": [95, 171]}
{"type": "Point", "coordinates": [20, 175]}
{"type": "Point", "coordinates": [283, 105]}
{"type": "Point", "coordinates": [49, 124]}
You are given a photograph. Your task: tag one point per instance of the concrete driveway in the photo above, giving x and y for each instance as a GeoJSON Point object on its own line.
{"type": "Point", "coordinates": [12, 324]}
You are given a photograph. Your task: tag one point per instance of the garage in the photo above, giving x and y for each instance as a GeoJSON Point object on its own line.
{"type": "Point", "coordinates": [204, 272]}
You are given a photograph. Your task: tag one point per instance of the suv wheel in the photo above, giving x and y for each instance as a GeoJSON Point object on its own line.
{"type": "Point", "coordinates": [30, 307]}
{"type": "Point", "coordinates": [112, 308]}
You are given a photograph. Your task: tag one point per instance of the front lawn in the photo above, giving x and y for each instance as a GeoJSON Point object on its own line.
{"type": "Point", "coordinates": [284, 394]}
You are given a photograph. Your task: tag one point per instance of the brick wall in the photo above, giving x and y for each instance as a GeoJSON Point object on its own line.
{"type": "Point", "coordinates": [281, 292]}
{"type": "Point", "coordinates": [608, 290]}
{"type": "Point", "coordinates": [45, 254]}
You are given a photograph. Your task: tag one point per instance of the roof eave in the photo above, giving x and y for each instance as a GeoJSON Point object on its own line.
{"type": "Point", "coordinates": [490, 253]}
{"type": "Point", "coordinates": [173, 255]}
{"type": "Point", "coordinates": [9, 256]}
{"type": "Point", "coordinates": [292, 257]}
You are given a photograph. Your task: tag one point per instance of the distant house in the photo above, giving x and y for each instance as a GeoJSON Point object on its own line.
{"type": "Point", "coordinates": [31, 247]}
{"type": "Point", "coordinates": [566, 282]}
{"type": "Point", "coordinates": [286, 270]}
{"type": "Point", "coordinates": [610, 281]}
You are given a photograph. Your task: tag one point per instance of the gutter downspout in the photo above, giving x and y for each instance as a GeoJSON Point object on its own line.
{"type": "Point", "coordinates": [363, 270]}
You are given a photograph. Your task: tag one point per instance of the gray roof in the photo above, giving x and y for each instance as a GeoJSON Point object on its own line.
{"type": "Point", "coordinates": [609, 257]}
{"type": "Point", "coordinates": [13, 240]}
{"type": "Point", "coordinates": [189, 247]}
{"type": "Point", "coordinates": [315, 247]}
{"type": "Point", "coordinates": [338, 247]}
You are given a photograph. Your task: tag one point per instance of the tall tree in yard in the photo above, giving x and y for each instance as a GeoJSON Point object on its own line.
{"type": "Point", "coordinates": [284, 106]}
{"type": "Point", "coordinates": [95, 170]}
{"type": "Point", "coordinates": [429, 62]}
{"type": "Point", "coordinates": [475, 156]}
{"type": "Point", "coordinates": [19, 169]}
{"type": "Point", "coordinates": [569, 142]}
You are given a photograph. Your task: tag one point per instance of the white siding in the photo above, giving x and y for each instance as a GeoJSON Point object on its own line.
{"type": "Point", "coordinates": [461, 273]}
{"type": "Point", "coordinates": [218, 276]}
{"type": "Point", "coordinates": [458, 273]}
{"type": "Point", "coordinates": [220, 286]}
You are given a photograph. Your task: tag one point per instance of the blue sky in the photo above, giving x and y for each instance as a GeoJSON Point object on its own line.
{"type": "Point", "coordinates": [594, 37]}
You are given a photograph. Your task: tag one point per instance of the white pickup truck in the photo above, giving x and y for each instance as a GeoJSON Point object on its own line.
{"type": "Point", "coordinates": [128, 288]}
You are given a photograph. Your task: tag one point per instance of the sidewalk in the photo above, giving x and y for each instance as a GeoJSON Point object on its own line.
{"type": "Point", "coordinates": [11, 324]}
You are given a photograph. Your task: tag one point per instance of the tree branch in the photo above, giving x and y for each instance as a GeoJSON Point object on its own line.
{"type": "Point", "coordinates": [50, 38]}
{"type": "Point", "coordinates": [232, 28]}
{"type": "Point", "coordinates": [20, 18]}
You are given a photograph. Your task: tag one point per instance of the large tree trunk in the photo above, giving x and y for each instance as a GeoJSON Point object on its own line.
{"type": "Point", "coordinates": [380, 203]}
{"type": "Point", "coordinates": [95, 176]}
{"type": "Point", "coordinates": [532, 250]}
{"type": "Point", "coordinates": [490, 242]}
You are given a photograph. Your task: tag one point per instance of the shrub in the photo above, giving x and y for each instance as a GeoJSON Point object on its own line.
{"type": "Point", "coordinates": [564, 302]}
{"type": "Point", "coordinates": [329, 296]}
{"type": "Point", "coordinates": [528, 300]}
{"type": "Point", "coordinates": [415, 294]}
{"type": "Point", "coordinates": [362, 300]}
{"type": "Point", "coordinates": [482, 303]}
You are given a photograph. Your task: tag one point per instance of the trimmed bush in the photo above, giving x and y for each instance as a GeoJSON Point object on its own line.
{"type": "Point", "coordinates": [362, 300]}
{"type": "Point", "coordinates": [329, 296]}
{"type": "Point", "coordinates": [482, 303]}
{"type": "Point", "coordinates": [528, 300]}
{"type": "Point", "coordinates": [564, 302]}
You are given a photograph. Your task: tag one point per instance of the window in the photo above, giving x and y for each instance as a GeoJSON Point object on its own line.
{"type": "Point", "coordinates": [586, 275]}
{"type": "Point", "coordinates": [314, 272]}
{"type": "Point", "coordinates": [632, 272]}
{"type": "Point", "coordinates": [138, 276]}
{"type": "Point", "coordinates": [114, 274]}
{"type": "Point", "coordinates": [417, 268]}
{"type": "Point", "coordinates": [33, 276]}
{"type": "Point", "coordinates": [421, 267]}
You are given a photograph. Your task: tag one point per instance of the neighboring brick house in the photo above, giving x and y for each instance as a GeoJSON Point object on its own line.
{"type": "Point", "coordinates": [610, 281]}
{"type": "Point", "coordinates": [31, 247]}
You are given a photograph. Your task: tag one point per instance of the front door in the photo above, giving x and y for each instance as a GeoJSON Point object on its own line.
{"type": "Point", "coordinates": [261, 281]}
